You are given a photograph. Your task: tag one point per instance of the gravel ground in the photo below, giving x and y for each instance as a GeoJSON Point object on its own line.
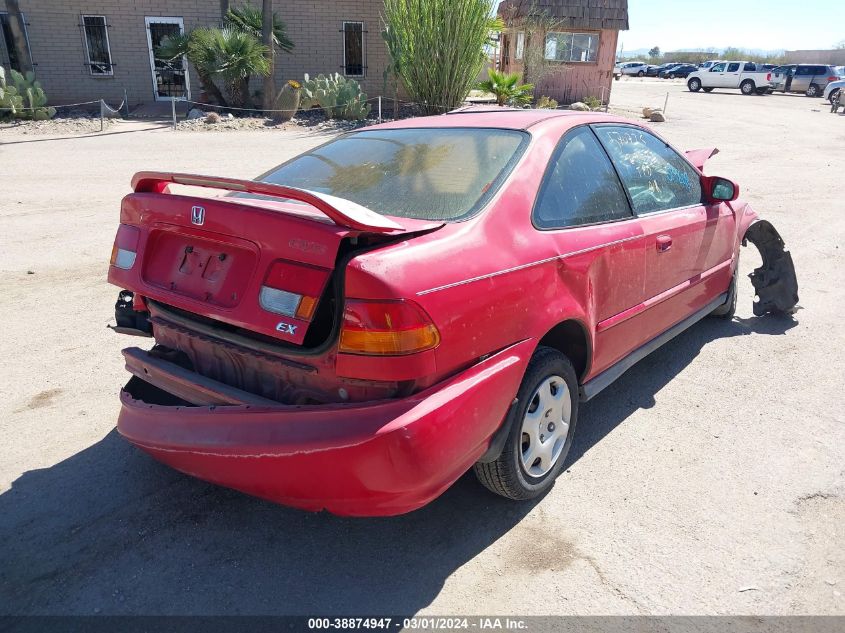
{"type": "Point", "coordinates": [708, 480]}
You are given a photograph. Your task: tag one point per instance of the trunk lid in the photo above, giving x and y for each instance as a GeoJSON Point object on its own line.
{"type": "Point", "coordinates": [259, 263]}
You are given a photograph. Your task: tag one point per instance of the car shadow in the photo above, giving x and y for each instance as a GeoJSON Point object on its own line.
{"type": "Point", "coordinates": [637, 387]}
{"type": "Point", "coordinates": [111, 531]}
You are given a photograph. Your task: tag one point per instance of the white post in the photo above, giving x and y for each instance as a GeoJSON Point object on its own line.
{"type": "Point", "coordinates": [173, 110]}
{"type": "Point", "coordinates": [379, 108]}
{"type": "Point", "coordinates": [102, 104]}
{"type": "Point", "coordinates": [665, 103]}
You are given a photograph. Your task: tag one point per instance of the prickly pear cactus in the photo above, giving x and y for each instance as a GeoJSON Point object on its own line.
{"type": "Point", "coordinates": [338, 96]}
{"type": "Point", "coordinates": [25, 99]}
{"type": "Point", "coordinates": [288, 101]}
{"type": "Point", "coordinates": [11, 103]}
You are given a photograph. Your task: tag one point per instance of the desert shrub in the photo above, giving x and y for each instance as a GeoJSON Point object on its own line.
{"type": "Point", "coordinates": [546, 103]}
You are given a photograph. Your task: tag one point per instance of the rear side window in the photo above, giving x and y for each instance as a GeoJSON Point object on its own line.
{"type": "Point", "coordinates": [580, 185]}
{"type": "Point", "coordinates": [750, 67]}
{"type": "Point", "coordinates": [732, 68]}
{"type": "Point", "coordinates": [424, 173]}
{"type": "Point", "coordinates": [656, 177]}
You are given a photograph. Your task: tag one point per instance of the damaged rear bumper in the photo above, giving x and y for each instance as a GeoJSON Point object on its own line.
{"type": "Point", "coordinates": [380, 458]}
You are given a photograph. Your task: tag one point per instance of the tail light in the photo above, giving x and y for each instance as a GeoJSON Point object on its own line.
{"type": "Point", "coordinates": [386, 328]}
{"type": "Point", "coordinates": [292, 289]}
{"type": "Point", "coordinates": [125, 248]}
{"type": "Point", "coordinates": [834, 78]}
{"type": "Point", "coordinates": [768, 76]}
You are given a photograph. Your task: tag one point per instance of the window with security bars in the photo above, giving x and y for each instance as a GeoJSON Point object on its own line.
{"type": "Point", "coordinates": [97, 44]}
{"type": "Point", "coordinates": [572, 47]}
{"type": "Point", "coordinates": [353, 49]}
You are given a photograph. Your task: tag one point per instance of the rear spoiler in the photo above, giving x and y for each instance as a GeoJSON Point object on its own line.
{"type": "Point", "coordinates": [699, 156]}
{"type": "Point", "coordinates": [342, 212]}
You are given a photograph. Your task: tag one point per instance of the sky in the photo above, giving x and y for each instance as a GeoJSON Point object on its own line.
{"type": "Point", "coordinates": [749, 24]}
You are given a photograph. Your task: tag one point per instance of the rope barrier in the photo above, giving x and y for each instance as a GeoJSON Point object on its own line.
{"type": "Point", "coordinates": [66, 105]}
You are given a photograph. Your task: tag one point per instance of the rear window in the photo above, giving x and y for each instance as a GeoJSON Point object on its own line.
{"type": "Point", "coordinates": [422, 173]}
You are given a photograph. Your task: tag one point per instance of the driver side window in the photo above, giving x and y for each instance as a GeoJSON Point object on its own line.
{"type": "Point", "coordinates": [718, 68]}
{"type": "Point", "coordinates": [656, 177]}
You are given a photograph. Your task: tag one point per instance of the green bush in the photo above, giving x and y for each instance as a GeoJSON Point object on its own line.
{"type": "Point", "coordinates": [437, 47]}
{"type": "Point", "coordinates": [594, 103]}
{"type": "Point", "coordinates": [546, 103]}
{"type": "Point", "coordinates": [507, 89]}
{"type": "Point", "coordinates": [338, 96]}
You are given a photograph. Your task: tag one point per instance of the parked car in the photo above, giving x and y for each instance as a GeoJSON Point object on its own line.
{"type": "Point", "coordinates": [681, 70]}
{"type": "Point", "coordinates": [833, 90]}
{"type": "Point", "coordinates": [637, 69]}
{"type": "Point", "coordinates": [811, 79]}
{"type": "Point", "coordinates": [652, 70]}
{"type": "Point", "coordinates": [316, 345]}
{"type": "Point", "coordinates": [708, 64]}
{"type": "Point", "coordinates": [742, 75]}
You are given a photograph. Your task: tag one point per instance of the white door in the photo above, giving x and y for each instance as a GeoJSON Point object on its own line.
{"type": "Point", "coordinates": [715, 76]}
{"type": "Point", "coordinates": [170, 78]}
{"type": "Point", "coordinates": [732, 74]}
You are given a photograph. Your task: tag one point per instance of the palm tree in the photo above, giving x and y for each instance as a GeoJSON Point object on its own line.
{"type": "Point", "coordinates": [198, 47]}
{"type": "Point", "coordinates": [250, 20]}
{"type": "Point", "coordinates": [506, 88]}
{"type": "Point", "coordinates": [238, 56]}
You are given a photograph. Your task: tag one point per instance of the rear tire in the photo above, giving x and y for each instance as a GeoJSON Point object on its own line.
{"type": "Point", "coordinates": [694, 85]}
{"type": "Point", "coordinates": [747, 87]}
{"type": "Point", "coordinates": [542, 425]}
{"type": "Point", "coordinates": [640, 74]}
{"type": "Point", "coordinates": [813, 91]}
{"type": "Point", "coordinates": [833, 96]}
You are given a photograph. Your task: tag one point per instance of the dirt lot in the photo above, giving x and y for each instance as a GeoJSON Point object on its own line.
{"type": "Point", "coordinates": [709, 480]}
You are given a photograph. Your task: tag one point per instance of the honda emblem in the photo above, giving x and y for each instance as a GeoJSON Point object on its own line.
{"type": "Point", "coordinates": [197, 215]}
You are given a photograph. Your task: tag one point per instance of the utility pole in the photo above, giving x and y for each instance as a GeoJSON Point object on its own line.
{"type": "Point", "coordinates": [269, 89]}
{"type": "Point", "coordinates": [18, 29]}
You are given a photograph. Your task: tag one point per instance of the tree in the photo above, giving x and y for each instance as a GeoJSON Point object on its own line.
{"type": "Point", "coordinates": [507, 88]}
{"type": "Point", "coordinates": [654, 53]}
{"type": "Point", "coordinates": [437, 47]}
{"type": "Point", "coordinates": [16, 27]}
{"type": "Point", "coordinates": [228, 53]}
{"type": "Point", "coordinates": [269, 88]}
{"type": "Point", "coordinates": [198, 47]}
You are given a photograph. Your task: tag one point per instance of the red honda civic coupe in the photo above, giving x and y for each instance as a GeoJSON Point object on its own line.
{"type": "Point", "coordinates": [358, 327]}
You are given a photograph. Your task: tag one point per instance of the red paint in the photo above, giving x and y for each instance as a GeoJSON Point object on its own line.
{"type": "Point", "coordinates": [386, 434]}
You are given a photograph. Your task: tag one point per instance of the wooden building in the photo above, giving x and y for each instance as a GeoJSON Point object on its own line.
{"type": "Point", "coordinates": [566, 48]}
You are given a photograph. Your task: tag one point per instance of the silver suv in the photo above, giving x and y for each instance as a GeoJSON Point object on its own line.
{"type": "Point", "coordinates": [811, 79]}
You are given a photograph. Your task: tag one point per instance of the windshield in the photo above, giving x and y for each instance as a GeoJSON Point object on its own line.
{"type": "Point", "coordinates": [422, 173]}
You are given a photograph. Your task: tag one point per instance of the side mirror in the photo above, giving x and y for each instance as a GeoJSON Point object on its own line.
{"type": "Point", "coordinates": [718, 189]}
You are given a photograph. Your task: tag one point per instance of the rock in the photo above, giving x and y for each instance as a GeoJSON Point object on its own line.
{"type": "Point", "coordinates": [578, 105]}
{"type": "Point", "coordinates": [657, 117]}
{"type": "Point", "coordinates": [212, 117]}
{"type": "Point", "coordinates": [195, 113]}
{"type": "Point", "coordinates": [647, 113]}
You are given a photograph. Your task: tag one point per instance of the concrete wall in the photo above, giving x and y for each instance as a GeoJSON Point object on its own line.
{"type": "Point", "coordinates": [835, 57]}
{"type": "Point", "coordinates": [58, 47]}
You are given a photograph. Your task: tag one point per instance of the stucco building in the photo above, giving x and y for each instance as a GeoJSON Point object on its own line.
{"type": "Point", "coordinates": [566, 48]}
{"type": "Point", "coordinates": [82, 50]}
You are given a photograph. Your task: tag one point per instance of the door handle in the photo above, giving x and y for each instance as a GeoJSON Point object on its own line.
{"type": "Point", "coordinates": [664, 243]}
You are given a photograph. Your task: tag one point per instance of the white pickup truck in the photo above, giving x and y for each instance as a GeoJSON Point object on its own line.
{"type": "Point", "coordinates": [742, 75]}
